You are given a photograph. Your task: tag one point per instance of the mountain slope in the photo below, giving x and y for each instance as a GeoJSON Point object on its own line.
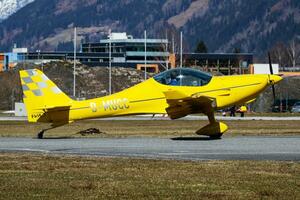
{"type": "Point", "coordinates": [254, 26]}
{"type": "Point", "coordinates": [222, 24]}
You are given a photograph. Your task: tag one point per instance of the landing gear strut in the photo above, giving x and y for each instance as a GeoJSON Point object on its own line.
{"type": "Point", "coordinates": [40, 135]}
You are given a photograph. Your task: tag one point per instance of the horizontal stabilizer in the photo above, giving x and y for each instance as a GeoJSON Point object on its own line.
{"type": "Point", "coordinates": [53, 109]}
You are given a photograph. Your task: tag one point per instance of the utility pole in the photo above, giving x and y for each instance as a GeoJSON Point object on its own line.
{"type": "Point", "coordinates": [38, 55]}
{"type": "Point", "coordinates": [39, 59]}
{"type": "Point", "coordinates": [24, 60]}
{"type": "Point", "coordinates": [74, 72]}
{"type": "Point", "coordinates": [173, 44]}
{"type": "Point", "coordinates": [42, 63]}
{"type": "Point", "coordinates": [180, 56]}
{"type": "Point", "coordinates": [167, 61]}
{"type": "Point", "coordinates": [181, 49]}
{"type": "Point", "coordinates": [145, 33]}
{"type": "Point", "coordinates": [110, 66]}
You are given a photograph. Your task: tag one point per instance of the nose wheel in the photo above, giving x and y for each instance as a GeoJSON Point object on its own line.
{"type": "Point", "coordinates": [214, 129]}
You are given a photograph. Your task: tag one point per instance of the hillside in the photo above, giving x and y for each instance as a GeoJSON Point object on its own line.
{"type": "Point", "coordinates": [224, 25]}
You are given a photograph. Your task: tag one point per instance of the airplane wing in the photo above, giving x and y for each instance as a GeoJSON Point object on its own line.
{"type": "Point", "coordinates": [181, 105]}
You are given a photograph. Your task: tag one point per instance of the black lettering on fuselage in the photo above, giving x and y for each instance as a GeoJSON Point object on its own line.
{"type": "Point", "coordinates": [115, 104]}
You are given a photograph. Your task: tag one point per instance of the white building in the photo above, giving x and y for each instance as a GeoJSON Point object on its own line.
{"type": "Point", "coordinates": [265, 68]}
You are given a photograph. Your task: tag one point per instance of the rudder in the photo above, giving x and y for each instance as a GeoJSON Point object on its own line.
{"type": "Point", "coordinates": [40, 94]}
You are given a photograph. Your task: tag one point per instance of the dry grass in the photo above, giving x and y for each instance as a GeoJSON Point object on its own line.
{"type": "Point", "coordinates": [151, 128]}
{"type": "Point", "coordinates": [32, 176]}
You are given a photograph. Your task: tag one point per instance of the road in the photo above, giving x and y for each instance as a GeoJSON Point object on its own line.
{"type": "Point", "coordinates": [192, 148]}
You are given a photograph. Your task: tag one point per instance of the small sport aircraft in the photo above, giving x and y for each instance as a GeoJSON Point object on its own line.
{"type": "Point", "coordinates": [177, 92]}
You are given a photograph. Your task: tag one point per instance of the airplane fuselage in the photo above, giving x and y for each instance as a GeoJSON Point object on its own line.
{"type": "Point", "coordinates": [148, 97]}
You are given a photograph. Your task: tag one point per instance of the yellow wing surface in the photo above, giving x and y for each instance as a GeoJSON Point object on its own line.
{"type": "Point", "coordinates": [181, 105]}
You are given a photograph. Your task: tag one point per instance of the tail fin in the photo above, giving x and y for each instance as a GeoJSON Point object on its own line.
{"type": "Point", "coordinates": [41, 97]}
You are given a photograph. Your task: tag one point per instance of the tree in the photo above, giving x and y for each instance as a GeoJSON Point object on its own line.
{"type": "Point", "coordinates": [236, 61]}
{"type": "Point", "coordinates": [293, 49]}
{"type": "Point", "coordinates": [279, 54]}
{"type": "Point", "coordinates": [201, 47]}
{"type": "Point", "coordinates": [237, 50]}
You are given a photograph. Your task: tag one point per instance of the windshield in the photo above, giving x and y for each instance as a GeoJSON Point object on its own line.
{"type": "Point", "coordinates": [183, 77]}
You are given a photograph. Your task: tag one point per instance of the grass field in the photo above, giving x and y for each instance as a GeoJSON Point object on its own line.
{"type": "Point", "coordinates": [151, 128]}
{"type": "Point", "coordinates": [32, 176]}
{"type": "Point", "coordinates": [41, 176]}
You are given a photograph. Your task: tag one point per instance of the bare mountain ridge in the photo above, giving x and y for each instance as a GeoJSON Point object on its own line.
{"type": "Point", "coordinates": [197, 8]}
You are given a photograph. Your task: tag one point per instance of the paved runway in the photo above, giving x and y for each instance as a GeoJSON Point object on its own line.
{"type": "Point", "coordinates": [228, 148]}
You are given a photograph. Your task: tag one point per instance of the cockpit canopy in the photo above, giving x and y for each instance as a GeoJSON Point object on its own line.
{"type": "Point", "coordinates": [183, 77]}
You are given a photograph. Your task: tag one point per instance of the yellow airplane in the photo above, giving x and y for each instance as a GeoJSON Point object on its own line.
{"type": "Point", "coordinates": [177, 92]}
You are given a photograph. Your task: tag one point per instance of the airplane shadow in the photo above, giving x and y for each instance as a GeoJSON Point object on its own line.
{"type": "Point", "coordinates": [55, 138]}
{"type": "Point", "coordinates": [194, 138]}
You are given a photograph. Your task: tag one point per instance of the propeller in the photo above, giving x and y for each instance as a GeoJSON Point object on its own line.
{"type": "Point", "coordinates": [271, 72]}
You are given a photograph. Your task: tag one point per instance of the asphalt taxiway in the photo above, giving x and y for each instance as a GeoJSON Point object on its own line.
{"type": "Point", "coordinates": [182, 148]}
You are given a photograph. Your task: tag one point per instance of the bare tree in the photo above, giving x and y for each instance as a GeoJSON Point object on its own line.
{"type": "Point", "coordinates": [173, 36]}
{"type": "Point", "coordinates": [293, 50]}
{"type": "Point", "coordinates": [279, 54]}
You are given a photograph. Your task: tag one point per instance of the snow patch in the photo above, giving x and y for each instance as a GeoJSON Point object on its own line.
{"type": "Point", "coordinates": [9, 7]}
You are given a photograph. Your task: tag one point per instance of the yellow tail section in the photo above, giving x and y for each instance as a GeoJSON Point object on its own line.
{"type": "Point", "coordinates": [44, 101]}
